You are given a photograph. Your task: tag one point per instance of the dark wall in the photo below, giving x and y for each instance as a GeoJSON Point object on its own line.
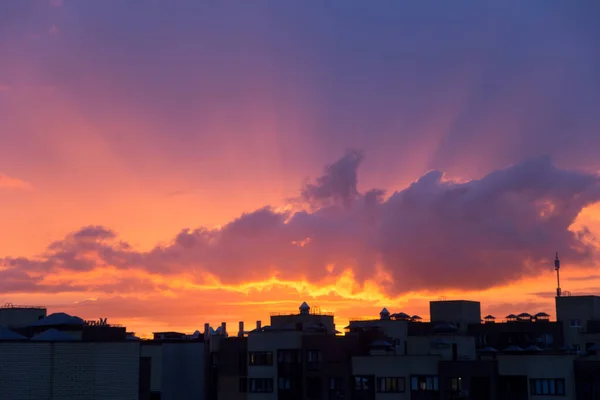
{"type": "Point", "coordinates": [478, 378]}
{"type": "Point", "coordinates": [335, 363]}
{"type": "Point", "coordinates": [145, 373]}
{"type": "Point", "coordinates": [502, 335]}
{"type": "Point", "coordinates": [232, 358]}
{"type": "Point", "coordinates": [587, 379]}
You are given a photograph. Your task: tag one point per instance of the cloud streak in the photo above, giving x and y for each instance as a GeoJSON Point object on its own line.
{"type": "Point", "coordinates": [436, 234]}
{"type": "Point", "coordinates": [7, 182]}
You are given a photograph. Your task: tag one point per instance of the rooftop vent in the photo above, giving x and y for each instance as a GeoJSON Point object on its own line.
{"type": "Point", "coordinates": [524, 317]}
{"type": "Point", "coordinates": [400, 316]}
{"type": "Point", "coordinates": [384, 314]}
{"type": "Point", "coordinates": [541, 316]}
{"type": "Point", "coordinates": [489, 319]}
{"type": "Point", "coordinates": [304, 309]}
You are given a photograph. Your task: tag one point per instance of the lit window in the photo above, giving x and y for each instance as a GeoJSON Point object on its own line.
{"type": "Point", "coordinates": [261, 358]}
{"type": "Point", "coordinates": [455, 384]}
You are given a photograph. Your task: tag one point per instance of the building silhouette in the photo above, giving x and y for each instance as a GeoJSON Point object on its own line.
{"type": "Point", "coordinates": [456, 354]}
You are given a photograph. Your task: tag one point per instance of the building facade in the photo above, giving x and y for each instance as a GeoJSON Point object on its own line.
{"type": "Point", "coordinates": [456, 355]}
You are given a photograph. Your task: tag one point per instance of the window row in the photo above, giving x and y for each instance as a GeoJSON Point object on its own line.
{"type": "Point", "coordinates": [418, 383]}
{"type": "Point", "coordinates": [256, 385]}
{"type": "Point", "coordinates": [314, 385]}
{"type": "Point", "coordinates": [256, 358]}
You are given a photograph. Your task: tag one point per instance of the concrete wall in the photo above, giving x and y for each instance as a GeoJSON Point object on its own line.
{"type": "Point", "coordinates": [306, 320]}
{"type": "Point", "coordinates": [459, 312]}
{"type": "Point", "coordinates": [154, 351]}
{"type": "Point", "coordinates": [584, 308]}
{"type": "Point", "coordinates": [270, 341]}
{"type": "Point", "coordinates": [69, 371]}
{"type": "Point", "coordinates": [16, 317]}
{"type": "Point", "coordinates": [177, 369]}
{"type": "Point", "coordinates": [540, 367]}
{"type": "Point", "coordinates": [442, 346]}
{"type": "Point", "coordinates": [232, 367]}
{"type": "Point", "coordinates": [183, 371]}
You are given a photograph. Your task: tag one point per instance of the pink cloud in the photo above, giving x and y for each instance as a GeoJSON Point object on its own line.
{"type": "Point", "coordinates": [6, 182]}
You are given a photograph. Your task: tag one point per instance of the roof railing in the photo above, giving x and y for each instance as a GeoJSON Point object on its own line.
{"type": "Point", "coordinates": [11, 305]}
{"type": "Point", "coordinates": [286, 314]}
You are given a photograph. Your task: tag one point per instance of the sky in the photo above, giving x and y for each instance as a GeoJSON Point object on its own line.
{"type": "Point", "coordinates": [169, 163]}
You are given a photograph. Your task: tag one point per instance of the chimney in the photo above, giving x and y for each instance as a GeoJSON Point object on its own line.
{"type": "Point", "coordinates": [206, 331]}
{"type": "Point", "coordinates": [241, 329]}
{"type": "Point", "coordinates": [223, 328]}
{"type": "Point", "coordinates": [258, 325]}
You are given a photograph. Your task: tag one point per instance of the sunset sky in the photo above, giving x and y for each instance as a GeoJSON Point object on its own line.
{"type": "Point", "coordinates": [165, 163]}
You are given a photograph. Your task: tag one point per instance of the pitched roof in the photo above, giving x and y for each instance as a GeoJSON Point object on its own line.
{"type": "Point", "coordinates": [7, 334]}
{"type": "Point", "coordinates": [53, 335]}
{"type": "Point", "coordinates": [58, 319]}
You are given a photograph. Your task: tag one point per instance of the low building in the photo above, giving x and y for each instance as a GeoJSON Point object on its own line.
{"type": "Point", "coordinates": [12, 316]}
{"type": "Point", "coordinates": [60, 357]}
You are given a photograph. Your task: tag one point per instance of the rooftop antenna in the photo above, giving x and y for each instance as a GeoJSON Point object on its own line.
{"type": "Point", "coordinates": [557, 268]}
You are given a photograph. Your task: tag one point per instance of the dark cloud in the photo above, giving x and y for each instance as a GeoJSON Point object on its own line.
{"type": "Point", "coordinates": [435, 234]}
{"type": "Point", "coordinates": [338, 185]}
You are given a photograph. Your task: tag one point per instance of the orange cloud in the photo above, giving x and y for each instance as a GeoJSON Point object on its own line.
{"type": "Point", "coordinates": [6, 182]}
{"type": "Point", "coordinates": [350, 252]}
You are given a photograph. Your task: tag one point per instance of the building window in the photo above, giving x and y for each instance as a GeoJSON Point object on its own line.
{"type": "Point", "coordinates": [243, 385]}
{"type": "Point", "coordinates": [260, 385]}
{"type": "Point", "coordinates": [575, 323]}
{"type": "Point", "coordinates": [261, 358]}
{"type": "Point", "coordinates": [314, 358]}
{"type": "Point", "coordinates": [424, 383]}
{"type": "Point", "coordinates": [289, 356]}
{"type": "Point", "coordinates": [391, 385]}
{"type": "Point", "coordinates": [284, 383]}
{"type": "Point", "coordinates": [483, 340]}
{"type": "Point", "coordinates": [363, 383]}
{"type": "Point", "coordinates": [553, 387]}
{"type": "Point", "coordinates": [336, 383]}
{"type": "Point", "coordinates": [455, 384]}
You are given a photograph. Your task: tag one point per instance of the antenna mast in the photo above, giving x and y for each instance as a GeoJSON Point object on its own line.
{"type": "Point", "coordinates": [557, 268]}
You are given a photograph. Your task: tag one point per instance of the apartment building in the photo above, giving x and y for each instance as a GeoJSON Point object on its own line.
{"type": "Point", "coordinates": [15, 316]}
{"type": "Point", "coordinates": [298, 356]}
{"type": "Point", "coordinates": [62, 357]}
{"type": "Point", "coordinates": [457, 354]}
